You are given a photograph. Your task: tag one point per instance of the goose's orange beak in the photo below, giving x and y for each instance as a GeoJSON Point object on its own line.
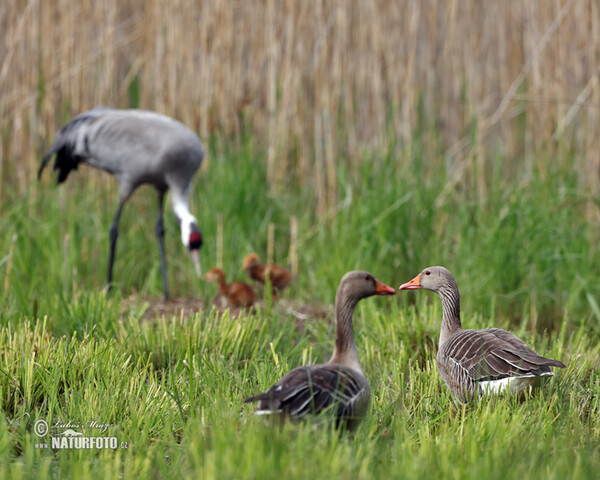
{"type": "Point", "coordinates": [382, 289]}
{"type": "Point", "coordinates": [414, 284]}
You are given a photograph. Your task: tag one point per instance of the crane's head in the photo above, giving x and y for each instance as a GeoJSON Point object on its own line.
{"type": "Point", "coordinates": [191, 236]}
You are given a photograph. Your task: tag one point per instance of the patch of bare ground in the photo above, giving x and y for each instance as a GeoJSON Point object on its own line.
{"type": "Point", "coordinates": [152, 308]}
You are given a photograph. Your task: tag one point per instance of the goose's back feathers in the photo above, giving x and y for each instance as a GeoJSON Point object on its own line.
{"type": "Point", "coordinates": [315, 388]}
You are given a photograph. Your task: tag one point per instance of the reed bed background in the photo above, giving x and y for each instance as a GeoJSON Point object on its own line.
{"type": "Point", "coordinates": [317, 82]}
{"type": "Point", "coordinates": [381, 135]}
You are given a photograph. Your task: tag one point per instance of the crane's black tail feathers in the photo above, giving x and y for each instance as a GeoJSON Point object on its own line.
{"type": "Point", "coordinates": [45, 161]}
{"type": "Point", "coordinates": [67, 158]}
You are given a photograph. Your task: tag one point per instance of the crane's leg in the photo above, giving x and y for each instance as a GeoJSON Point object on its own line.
{"type": "Point", "coordinates": [160, 233]}
{"type": "Point", "coordinates": [113, 234]}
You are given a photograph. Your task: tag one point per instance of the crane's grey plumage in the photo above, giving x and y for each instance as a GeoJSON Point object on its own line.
{"type": "Point", "coordinates": [136, 147]}
{"type": "Point", "coordinates": [340, 384]}
{"type": "Point", "coordinates": [474, 362]}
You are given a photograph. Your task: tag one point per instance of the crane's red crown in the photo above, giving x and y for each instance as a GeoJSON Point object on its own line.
{"type": "Point", "coordinates": [195, 241]}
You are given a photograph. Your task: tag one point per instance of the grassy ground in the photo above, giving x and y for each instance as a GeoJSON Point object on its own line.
{"type": "Point", "coordinates": [171, 386]}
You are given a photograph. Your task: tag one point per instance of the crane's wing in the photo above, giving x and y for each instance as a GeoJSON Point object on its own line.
{"type": "Point", "coordinates": [65, 145]}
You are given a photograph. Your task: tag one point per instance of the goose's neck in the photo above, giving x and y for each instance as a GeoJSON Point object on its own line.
{"type": "Point", "coordinates": [345, 352]}
{"type": "Point", "coordinates": [451, 312]}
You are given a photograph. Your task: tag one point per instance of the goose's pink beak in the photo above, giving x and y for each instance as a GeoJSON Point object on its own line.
{"type": "Point", "coordinates": [414, 284]}
{"type": "Point", "coordinates": [382, 289]}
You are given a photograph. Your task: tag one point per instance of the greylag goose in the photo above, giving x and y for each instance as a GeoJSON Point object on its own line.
{"type": "Point", "coordinates": [340, 383]}
{"type": "Point", "coordinates": [474, 362]}
{"type": "Point", "coordinates": [278, 276]}
{"type": "Point", "coordinates": [237, 294]}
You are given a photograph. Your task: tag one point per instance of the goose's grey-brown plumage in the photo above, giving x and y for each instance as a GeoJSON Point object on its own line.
{"type": "Point", "coordinates": [473, 362]}
{"type": "Point", "coordinates": [136, 147]}
{"type": "Point", "coordinates": [339, 384]}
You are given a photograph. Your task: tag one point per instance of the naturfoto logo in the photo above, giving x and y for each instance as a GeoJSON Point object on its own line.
{"type": "Point", "coordinates": [71, 438]}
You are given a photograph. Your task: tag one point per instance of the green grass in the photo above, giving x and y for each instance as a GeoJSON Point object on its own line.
{"type": "Point", "coordinates": [525, 258]}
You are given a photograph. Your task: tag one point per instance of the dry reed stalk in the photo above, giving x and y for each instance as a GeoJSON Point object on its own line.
{"type": "Point", "coordinates": [271, 79]}
{"type": "Point", "coordinates": [9, 264]}
{"type": "Point", "coordinates": [1, 167]}
{"type": "Point", "coordinates": [577, 104]}
{"type": "Point", "coordinates": [219, 240]}
{"type": "Point", "coordinates": [271, 243]}
{"type": "Point", "coordinates": [66, 263]}
{"type": "Point", "coordinates": [330, 162]}
{"type": "Point", "coordinates": [320, 182]}
{"type": "Point", "coordinates": [293, 255]}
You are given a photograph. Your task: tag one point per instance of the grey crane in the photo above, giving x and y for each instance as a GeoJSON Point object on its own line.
{"type": "Point", "coordinates": [136, 147]}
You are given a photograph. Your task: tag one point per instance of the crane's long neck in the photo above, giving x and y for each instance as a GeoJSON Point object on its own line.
{"type": "Point", "coordinates": [186, 219]}
{"type": "Point", "coordinates": [345, 352]}
{"type": "Point", "coordinates": [451, 311]}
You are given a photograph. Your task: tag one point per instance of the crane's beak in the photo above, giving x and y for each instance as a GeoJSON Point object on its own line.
{"type": "Point", "coordinates": [195, 254]}
{"type": "Point", "coordinates": [414, 284]}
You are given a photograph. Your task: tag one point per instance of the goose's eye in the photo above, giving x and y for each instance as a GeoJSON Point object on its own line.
{"type": "Point", "coordinates": [368, 277]}
{"type": "Point", "coordinates": [427, 272]}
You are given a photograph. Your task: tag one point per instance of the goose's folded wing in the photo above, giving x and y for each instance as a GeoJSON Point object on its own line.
{"type": "Point", "coordinates": [312, 389]}
{"type": "Point", "coordinates": [495, 354]}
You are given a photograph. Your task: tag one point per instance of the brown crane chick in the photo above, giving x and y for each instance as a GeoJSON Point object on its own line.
{"type": "Point", "coordinates": [238, 294]}
{"type": "Point", "coordinates": [278, 276]}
